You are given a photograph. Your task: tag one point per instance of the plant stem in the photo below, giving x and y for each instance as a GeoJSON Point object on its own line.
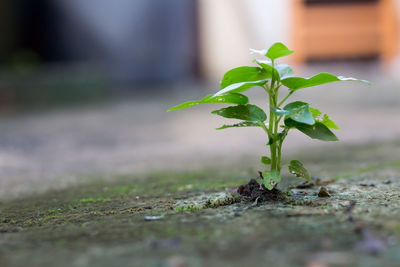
{"type": "Point", "coordinates": [272, 120]}
{"type": "Point", "coordinates": [286, 97]}
{"type": "Point", "coordinates": [284, 134]}
{"type": "Point", "coordinates": [265, 129]}
{"type": "Point", "coordinates": [273, 140]}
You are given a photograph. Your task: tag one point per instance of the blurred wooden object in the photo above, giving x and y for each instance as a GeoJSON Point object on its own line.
{"type": "Point", "coordinates": [330, 29]}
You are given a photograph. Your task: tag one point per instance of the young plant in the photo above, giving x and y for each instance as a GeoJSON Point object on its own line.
{"type": "Point", "coordinates": [282, 117]}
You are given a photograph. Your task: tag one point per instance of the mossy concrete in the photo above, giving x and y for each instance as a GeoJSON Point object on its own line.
{"type": "Point", "coordinates": [160, 218]}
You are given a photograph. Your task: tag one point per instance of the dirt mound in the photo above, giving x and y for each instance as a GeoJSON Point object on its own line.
{"type": "Point", "coordinates": [254, 190]}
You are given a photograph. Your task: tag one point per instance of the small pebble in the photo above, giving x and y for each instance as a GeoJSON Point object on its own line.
{"type": "Point", "coordinates": [323, 192]}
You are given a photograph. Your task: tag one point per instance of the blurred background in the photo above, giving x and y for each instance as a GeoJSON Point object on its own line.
{"type": "Point", "coordinates": [84, 85]}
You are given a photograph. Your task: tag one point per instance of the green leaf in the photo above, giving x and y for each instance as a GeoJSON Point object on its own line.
{"type": "Point", "coordinates": [315, 112]}
{"type": "Point", "coordinates": [265, 160]}
{"type": "Point", "coordinates": [267, 66]}
{"type": "Point", "coordinates": [247, 112]}
{"type": "Point", "coordinates": [276, 50]}
{"type": "Point", "coordinates": [232, 98]}
{"type": "Point", "coordinates": [279, 112]}
{"type": "Point", "coordinates": [243, 78]}
{"type": "Point", "coordinates": [329, 123]}
{"type": "Point", "coordinates": [300, 112]}
{"type": "Point", "coordinates": [271, 179]}
{"type": "Point", "coordinates": [316, 131]}
{"type": "Point", "coordinates": [240, 124]}
{"type": "Point", "coordinates": [297, 168]}
{"type": "Point", "coordinates": [295, 83]}
{"type": "Point", "coordinates": [244, 74]}
{"type": "Point", "coordinates": [281, 71]}
{"type": "Point", "coordinates": [285, 71]}
{"type": "Point", "coordinates": [240, 87]}
{"type": "Point", "coordinates": [317, 115]}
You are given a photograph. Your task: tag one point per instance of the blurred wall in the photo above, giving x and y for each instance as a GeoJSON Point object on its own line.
{"type": "Point", "coordinates": [138, 40]}
{"type": "Point", "coordinates": [145, 41]}
{"type": "Point", "coordinates": [228, 28]}
{"type": "Point", "coordinates": [133, 41]}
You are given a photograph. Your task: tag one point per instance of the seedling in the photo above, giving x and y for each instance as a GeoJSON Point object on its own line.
{"type": "Point", "coordinates": [283, 117]}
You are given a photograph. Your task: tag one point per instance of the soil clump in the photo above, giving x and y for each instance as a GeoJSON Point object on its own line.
{"type": "Point", "coordinates": [255, 191]}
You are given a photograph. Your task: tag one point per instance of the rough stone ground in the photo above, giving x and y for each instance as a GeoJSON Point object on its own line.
{"type": "Point", "coordinates": [76, 186]}
{"type": "Point", "coordinates": [103, 222]}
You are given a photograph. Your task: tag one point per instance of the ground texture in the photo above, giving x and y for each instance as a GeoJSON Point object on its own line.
{"type": "Point", "coordinates": [191, 219]}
